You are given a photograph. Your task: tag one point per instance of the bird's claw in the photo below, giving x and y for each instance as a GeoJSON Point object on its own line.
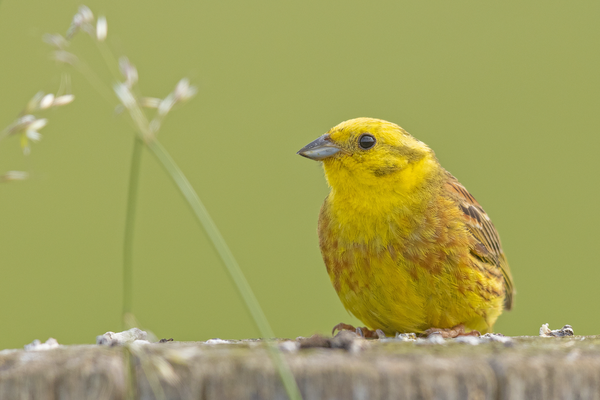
{"type": "Point", "coordinates": [456, 331]}
{"type": "Point", "coordinates": [363, 332]}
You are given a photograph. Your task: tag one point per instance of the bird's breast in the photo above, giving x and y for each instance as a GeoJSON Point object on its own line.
{"type": "Point", "coordinates": [415, 238]}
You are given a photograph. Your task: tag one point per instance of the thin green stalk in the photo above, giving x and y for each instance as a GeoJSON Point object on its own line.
{"type": "Point", "coordinates": [231, 264]}
{"type": "Point", "coordinates": [134, 174]}
{"type": "Point", "coordinates": [146, 136]}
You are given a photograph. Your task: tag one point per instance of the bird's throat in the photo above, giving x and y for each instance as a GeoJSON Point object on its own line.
{"type": "Point", "coordinates": [360, 192]}
{"type": "Point", "coordinates": [376, 215]}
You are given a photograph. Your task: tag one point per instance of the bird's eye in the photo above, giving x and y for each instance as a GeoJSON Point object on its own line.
{"type": "Point", "coordinates": [366, 141]}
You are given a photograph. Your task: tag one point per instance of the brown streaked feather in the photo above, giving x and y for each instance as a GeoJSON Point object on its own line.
{"type": "Point", "coordinates": [488, 248]}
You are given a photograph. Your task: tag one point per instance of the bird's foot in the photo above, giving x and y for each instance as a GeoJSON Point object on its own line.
{"type": "Point", "coordinates": [456, 331]}
{"type": "Point", "coordinates": [363, 332]}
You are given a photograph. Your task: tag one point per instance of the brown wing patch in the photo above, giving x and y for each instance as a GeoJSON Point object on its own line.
{"type": "Point", "coordinates": [488, 248]}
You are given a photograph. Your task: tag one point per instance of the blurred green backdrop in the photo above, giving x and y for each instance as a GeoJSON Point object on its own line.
{"type": "Point", "coordinates": [506, 93]}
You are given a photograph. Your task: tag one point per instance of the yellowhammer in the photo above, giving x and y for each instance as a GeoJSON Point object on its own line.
{"type": "Point", "coordinates": [406, 246]}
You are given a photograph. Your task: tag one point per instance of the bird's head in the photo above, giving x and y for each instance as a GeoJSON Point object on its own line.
{"type": "Point", "coordinates": [368, 151]}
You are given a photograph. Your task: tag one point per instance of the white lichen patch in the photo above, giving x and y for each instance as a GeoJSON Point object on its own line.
{"type": "Point", "coordinates": [434, 338]}
{"type": "Point", "coordinates": [218, 341]}
{"type": "Point", "coordinates": [496, 337]}
{"type": "Point", "coordinates": [566, 330]}
{"type": "Point", "coordinates": [289, 346]}
{"type": "Point", "coordinates": [472, 340]}
{"type": "Point", "coordinates": [36, 345]}
{"type": "Point", "coordinates": [120, 338]}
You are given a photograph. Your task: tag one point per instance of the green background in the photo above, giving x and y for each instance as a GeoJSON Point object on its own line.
{"type": "Point", "coordinates": [506, 93]}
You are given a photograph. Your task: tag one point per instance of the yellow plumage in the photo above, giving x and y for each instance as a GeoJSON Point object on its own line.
{"type": "Point", "coordinates": [407, 248]}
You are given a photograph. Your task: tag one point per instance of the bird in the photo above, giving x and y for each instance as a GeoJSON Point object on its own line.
{"type": "Point", "coordinates": [407, 248]}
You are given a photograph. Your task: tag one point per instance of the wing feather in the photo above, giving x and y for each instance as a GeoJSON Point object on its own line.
{"type": "Point", "coordinates": [488, 248]}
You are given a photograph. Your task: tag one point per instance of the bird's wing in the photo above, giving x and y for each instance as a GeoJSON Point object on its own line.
{"type": "Point", "coordinates": [488, 248]}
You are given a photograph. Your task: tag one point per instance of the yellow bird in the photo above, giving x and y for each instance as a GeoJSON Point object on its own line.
{"type": "Point", "coordinates": [407, 248]}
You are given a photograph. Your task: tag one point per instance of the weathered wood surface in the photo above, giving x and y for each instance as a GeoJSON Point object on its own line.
{"type": "Point", "coordinates": [526, 368]}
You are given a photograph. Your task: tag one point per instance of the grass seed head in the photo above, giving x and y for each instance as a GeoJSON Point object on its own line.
{"type": "Point", "coordinates": [184, 91]}
{"type": "Point", "coordinates": [56, 40]}
{"type": "Point", "coordinates": [63, 100]}
{"type": "Point", "coordinates": [83, 20]}
{"type": "Point", "coordinates": [101, 28]}
{"type": "Point", "coordinates": [166, 104]}
{"type": "Point", "coordinates": [150, 102]}
{"type": "Point", "coordinates": [129, 72]}
{"type": "Point", "coordinates": [46, 101]}
{"type": "Point", "coordinates": [14, 176]}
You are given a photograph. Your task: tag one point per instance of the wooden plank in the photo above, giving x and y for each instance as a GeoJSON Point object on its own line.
{"type": "Point", "coordinates": [525, 368]}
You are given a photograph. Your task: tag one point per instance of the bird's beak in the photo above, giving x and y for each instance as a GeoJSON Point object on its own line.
{"type": "Point", "coordinates": [319, 149]}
